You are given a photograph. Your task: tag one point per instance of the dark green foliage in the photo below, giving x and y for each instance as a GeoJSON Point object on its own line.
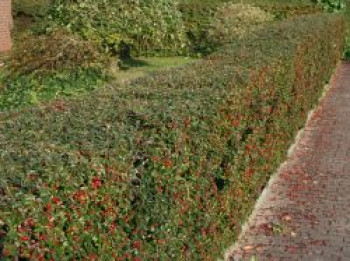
{"type": "Point", "coordinates": [168, 167]}
{"type": "Point", "coordinates": [197, 17]}
{"type": "Point", "coordinates": [30, 7]}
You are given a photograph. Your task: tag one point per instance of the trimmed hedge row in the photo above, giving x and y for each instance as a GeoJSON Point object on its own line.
{"type": "Point", "coordinates": [169, 167]}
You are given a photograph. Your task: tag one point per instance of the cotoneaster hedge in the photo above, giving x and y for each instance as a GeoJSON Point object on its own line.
{"type": "Point", "coordinates": [168, 167]}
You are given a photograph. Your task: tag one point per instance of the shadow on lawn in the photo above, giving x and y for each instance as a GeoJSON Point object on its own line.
{"type": "Point", "coordinates": [126, 64]}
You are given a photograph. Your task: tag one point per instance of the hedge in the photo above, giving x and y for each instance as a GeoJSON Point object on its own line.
{"type": "Point", "coordinates": [170, 166]}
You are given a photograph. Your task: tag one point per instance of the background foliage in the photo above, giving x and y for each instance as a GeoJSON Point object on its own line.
{"type": "Point", "coordinates": [233, 21]}
{"type": "Point", "coordinates": [150, 27]}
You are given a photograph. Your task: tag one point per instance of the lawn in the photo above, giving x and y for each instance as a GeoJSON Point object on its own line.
{"type": "Point", "coordinates": [142, 66]}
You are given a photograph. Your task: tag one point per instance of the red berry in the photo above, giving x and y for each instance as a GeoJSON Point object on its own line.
{"type": "Point", "coordinates": [48, 207]}
{"type": "Point", "coordinates": [167, 163]}
{"type": "Point", "coordinates": [96, 182]}
{"type": "Point", "coordinates": [42, 237]}
{"type": "Point", "coordinates": [24, 238]}
{"type": "Point", "coordinates": [56, 200]}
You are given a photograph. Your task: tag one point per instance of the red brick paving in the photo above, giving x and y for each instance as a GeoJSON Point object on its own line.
{"type": "Point", "coordinates": [305, 213]}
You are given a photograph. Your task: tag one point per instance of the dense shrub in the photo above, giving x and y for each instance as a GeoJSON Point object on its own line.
{"type": "Point", "coordinates": [233, 21]}
{"type": "Point", "coordinates": [150, 27]}
{"type": "Point", "coordinates": [168, 167]}
{"type": "Point", "coordinates": [30, 7]}
{"type": "Point", "coordinates": [56, 51]}
{"type": "Point", "coordinates": [198, 16]}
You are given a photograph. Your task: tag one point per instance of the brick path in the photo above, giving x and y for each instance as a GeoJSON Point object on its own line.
{"type": "Point", "coordinates": [305, 211]}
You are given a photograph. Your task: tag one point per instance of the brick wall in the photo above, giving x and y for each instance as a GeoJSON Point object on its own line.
{"type": "Point", "coordinates": [5, 25]}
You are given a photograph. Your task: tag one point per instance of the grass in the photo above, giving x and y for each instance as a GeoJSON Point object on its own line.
{"type": "Point", "coordinates": [142, 66]}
